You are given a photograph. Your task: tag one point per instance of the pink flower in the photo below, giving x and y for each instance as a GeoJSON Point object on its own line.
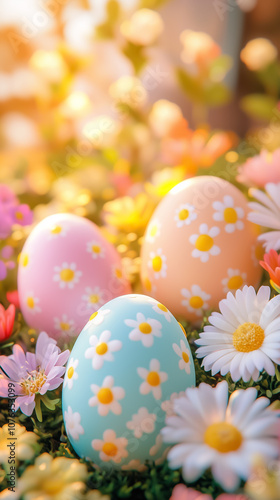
{"type": "Point", "coordinates": [6, 222]}
{"type": "Point", "coordinates": [3, 270]}
{"type": "Point", "coordinates": [7, 319]}
{"type": "Point", "coordinates": [32, 373]}
{"type": "Point", "coordinates": [261, 169]}
{"type": "Point", "coordinates": [22, 214]}
{"type": "Point", "coordinates": [7, 197]}
{"type": "Point", "coordinates": [181, 492]}
{"type": "Point", "coordinates": [13, 298]}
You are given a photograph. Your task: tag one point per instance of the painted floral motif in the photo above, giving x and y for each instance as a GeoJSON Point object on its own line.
{"type": "Point", "coordinates": [64, 325]}
{"type": "Point", "coordinates": [184, 215]}
{"type": "Point", "coordinates": [73, 423]}
{"type": "Point", "coordinates": [195, 299]}
{"type": "Point", "coordinates": [153, 378]}
{"type": "Point", "coordinates": [204, 243]}
{"type": "Point", "coordinates": [158, 264]}
{"type": "Point", "coordinates": [142, 422]}
{"type": "Point", "coordinates": [227, 212]}
{"type": "Point", "coordinates": [106, 397]}
{"type": "Point", "coordinates": [32, 303]}
{"type": "Point", "coordinates": [144, 329]}
{"type": "Point", "coordinates": [234, 280]}
{"type": "Point", "coordinates": [161, 309]}
{"type": "Point", "coordinates": [153, 231]}
{"type": "Point", "coordinates": [111, 448]}
{"type": "Point", "coordinates": [184, 354]}
{"type": "Point", "coordinates": [96, 250]}
{"type": "Point", "coordinates": [101, 349]}
{"type": "Point", "coordinates": [93, 297]}
{"type": "Point", "coordinates": [71, 373]}
{"type": "Point", "coordinates": [67, 275]}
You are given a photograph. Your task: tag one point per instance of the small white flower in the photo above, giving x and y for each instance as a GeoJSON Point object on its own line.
{"type": "Point", "coordinates": [184, 215]}
{"type": "Point", "coordinates": [204, 242]}
{"type": "Point", "coordinates": [228, 213]}
{"type": "Point", "coordinates": [153, 231]}
{"type": "Point", "coordinates": [71, 373]}
{"type": "Point", "coordinates": [98, 317]}
{"type": "Point", "coordinates": [32, 303]}
{"type": "Point", "coordinates": [64, 325]}
{"type": "Point", "coordinates": [96, 250]}
{"type": "Point", "coordinates": [211, 432]}
{"type": "Point", "coordinates": [244, 338]}
{"type": "Point", "coordinates": [235, 280]}
{"type": "Point", "coordinates": [111, 447]}
{"type": "Point", "coordinates": [184, 354]}
{"type": "Point", "coordinates": [102, 349]}
{"type": "Point", "coordinates": [67, 275]}
{"type": "Point", "coordinates": [161, 309]}
{"type": "Point", "coordinates": [196, 299]}
{"type": "Point", "coordinates": [106, 397]}
{"type": "Point", "coordinates": [93, 297]}
{"type": "Point", "coordinates": [57, 231]}
{"type": "Point", "coordinates": [134, 465]}
{"type": "Point", "coordinates": [266, 213]}
{"type": "Point", "coordinates": [153, 378]}
{"type": "Point", "coordinates": [157, 263]}
{"type": "Point", "coordinates": [142, 422]}
{"type": "Point", "coordinates": [144, 329]}
{"type": "Point", "coordinates": [168, 405]}
{"type": "Point", "coordinates": [72, 423]}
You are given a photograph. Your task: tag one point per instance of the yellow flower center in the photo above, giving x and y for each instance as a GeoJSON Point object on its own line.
{"type": "Point", "coordinates": [153, 379]}
{"type": "Point", "coordinates": [105, 396]}
{"type": "Point", "coordinates": [157, 263]}
{"type": "Point", "coordinates": [93, 315]}
{"type": "Point", "coordinates": [64, 326]}
{"type": "Point", "coordinates": [153, 231]}
{"type": "Point", "coordinates": [101, 348]}
{"type": "Point", "coordinates": [183, 214]}
{"type": "Point", "coordinates": [196, 302]}
{"type": "Point", "coordinates": [148, 284]}
{"type": "Point", "coordinates": [235, 282]}
{"type": "Point", "coordinates": [162, 308]}
{"type": "Point", "coordinates": [67, 275]}
{"type": "Point", "coordinates": [230, 215]}
{"type": "Point", "coordinates": [56, 229]}
{"type": "Point", "coordinates": [96, 249]}
{"type": "Point", "coordinates": [24, 259]}
{"type": "Point", "coordinates": [110, 449]}
{"type": "Point", "coordinates": [19, 216]}
{"type": "Point", "coordinates": [248, 337]}
{"type": "Point", "coordinates": [118, 273]}
{"type": "Point", "coordinates": [223, 437]}
{"type": "Point", "coordinates": [94, 298]}
{"type": "Point", "coordinates": [185, 357]}
{"type": "Point", "coordinates": [204, 243]}
{"type": "Point", "coordinates": [30, 302]}
{"type": "Point", "coordinates": [33, 383]}
{"type": "Point", "coordinates": [145, 328]}
{"type": "Point", "coordinates": [70, 372]}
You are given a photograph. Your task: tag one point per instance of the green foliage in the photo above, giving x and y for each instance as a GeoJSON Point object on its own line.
{"type": "Point", "coordinates": [136, 55]}
{"type": "Point", "coordinates": [202, 91]}
{"type": "Point", "coordinates": [259, 106]}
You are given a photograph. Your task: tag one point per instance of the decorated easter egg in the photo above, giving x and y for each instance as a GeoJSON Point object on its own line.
{"type": "Point", "coordinates": [198, 246]}
{"type": "Point", "coordinates": [127, 366]}
{"type": "Point", "coordinates": [67, 270]}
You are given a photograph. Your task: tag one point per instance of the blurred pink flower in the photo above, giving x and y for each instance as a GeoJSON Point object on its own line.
{"type": "Point", "coordinates": [181, 492]}
{"type": "Point", "coordinates": [7, 318]}
{"type": "Point", "coordinates": [260, 169]}
{"type": "Point", "coordinates": [13, 298]}
{"type": "Point", "coordinates": [6, 222]}
{"type": "Point", "coordinates": [7, 197]}
{"type": "Point", "coordinates": [22, 214]}
{"type": "Point", "coordinates": [3, 270]}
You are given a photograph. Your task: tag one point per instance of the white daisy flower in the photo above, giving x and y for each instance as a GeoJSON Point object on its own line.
{"type": "Point", "coordinates": [153, 231]}
{"type": "Point", "coordinates": [226, 436]}
{"type": "Point", "coordinates": [161, 309]}
{"type": "Point", "coordinates": [111, 447]}
{"type": "Point", "coordinates": [158, 264]}
{"type": "Point", "coordinates": [184, 354]}
{"type": "Point", "coordinates": [57, 231]}
{"type": "Point", "coordinates": [67, 275]}
{"type": "Point", "coordinates": [101, 349]}
{"type": "Point", "coordinates": [235, 280]}
{"type": "Point", "coordinates": [71, 373]}
{"type": "Point", "coordinates": [204, 242]}
{"type": "Point", "coordinates": [93, 297]}
{"type": "Point", "coordinates": [72, 423]}
{"type": "Point", "coordinates": [98, 317]}
{"type": "Point", "coordinates": [168, 405]}
{"type": "Point", "coordinates": [196, 299]}
{"type": "Point", "coordinates": [142, 422]}
{"type": "Point", "coordinates": [144, 329]}
{"type": "Point", "coordinates": [64, 325]}
{"type": "Point", "coordinates": [32, 303]}
{"type": "Point", "coordinates": [96, 250]}
{"type": "Point", "coordinates": [134, 464]}
{"type": "Point", "coordinates": [244, 339]}
{"type": "Point", "coordinates": [266, 213]}
{"type": "Point", "coordinates": [184, 215]}
{"type": "Point", "coordinates": [153, 378]}
{"type": "Point", "coordinates": [106, 397]}
{"type": "Point", "coordinates": [228, 213]}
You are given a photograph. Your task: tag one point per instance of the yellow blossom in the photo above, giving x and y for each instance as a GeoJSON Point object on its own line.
{"type": "Point", "coordinates": [164, 180]}
{"type": "Point", "coordinates": [258, 54]}
{"type": "Point", "coordinates": [198, 48]}
{"type": "Point", "coordinates": [75, 105]}
{"type": "Point", "coordinates": [128, 90]}
{"type": "Point", "coordinates": [26, 443]}
{"type": "Point", "coordinates": [164, 116]}
{"type": "Point", "coordinates": [49, 64]}
{"type": "Point", "coordinates": [129, 214]}
{"type": "Point", "coordinates": [143, 28]}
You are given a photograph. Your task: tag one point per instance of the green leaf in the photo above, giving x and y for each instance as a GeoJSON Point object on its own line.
{"type": "Point", "coordinates": [135, 53]}
{"type": "Point", "coordinates": [220, 67]}
{"type": "Point", "coordinates": [216, 94]}
{"type": "Point", "coordinates": [258, 106]}
{"type": "Point", "coordinates": [189, 85]}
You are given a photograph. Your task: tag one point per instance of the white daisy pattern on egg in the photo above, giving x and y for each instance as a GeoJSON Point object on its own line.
{"type": "Point", "coordinates": [153, 231]}
{"type": "Point", "coordinates": [101, 349]}
{"type": "Point", "coordinates": [195, 299]}
{"type": "Point", "coordinates": [142, 422]}
{"type": "Point", "coordinates": [57, 231]}
{"type": "Point", "coordinates": [184, 215]}
{"type": "Point", "coordinates": [73, 423]}
{"type": "Point", "coordinates": [153, 378]}
{"type": "Point", "coordinates": [111, 448]}
{"type": "Point", "coordinates": [93, 297]}
{"type": "Point", "coordinates": [227, 212]}
{"type": "Point", "coordinates": [184, 354]}
{"type": "Point", "coordinates": [134, 464]}
{"type": "Point", "coordinates": [32, 303]}
{"type": "Point", "coordinates": [98, 317]}
{"type": "Point", "coordinates": [64, 325]}
{"type": "Point", "coordinates": [96, 250]}
{"type": "Point", "coordinates": [161, 309]}
{"type": "Point", "coordinates": [144, 329]}
{"type": "Point", "coordinates": [157, 263]}
{"type": "Point", "coordinates": [204, 243]}
{"type": "Point", "coordinates": [67, 275]}
{"type": "Point", "coordinates": [156, 448]}
{"type": "Point", "coordinates": [235, 280]}
{"type": "Point", "coordinates": [71, 373]}
{"type": "Point", "coordinates": [107, 397]}
{"type": "Point", "coordinates": [168, 405]}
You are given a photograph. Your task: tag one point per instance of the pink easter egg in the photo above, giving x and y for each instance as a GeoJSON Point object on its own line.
{"type": "Point", "coordinates": [198, 246]}
{"type": "Point", "coordinates": [67, 270]}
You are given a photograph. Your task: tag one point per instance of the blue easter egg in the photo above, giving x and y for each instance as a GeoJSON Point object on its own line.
{"type": "Point", "coordinates": [127, 366]}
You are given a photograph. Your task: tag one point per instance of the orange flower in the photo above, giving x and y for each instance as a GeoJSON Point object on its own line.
{"type": "Point", "coordinates": [7, 318]}
{"type": "Point", "coordinates": [271, 264]}
{"type": "Point", "coordinates": [198, 48]}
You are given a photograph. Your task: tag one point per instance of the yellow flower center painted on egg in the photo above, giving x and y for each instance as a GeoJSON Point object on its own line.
{"type": "Point", "coordinates": [24, 259]}
{"type": "Point", "coordinates": [196, 302]}
{"type": "Point", "coordinates": [110, 449]}
{"type": "Point", "coordinates": [96, 249]}
{"type": "Point", "coordinates": [19, 216]}
{"type": "Point", "coordinates": [184, 214]}
{"type": "Point", "coordinates": [94, 298]}
{"type": "Point", "coordinates": [223, 437]}
{"type": "Point", "coordinates": [235, 282]}
{"type": "Point", "coordinates": [230, 215]}
{"type": "Point", "coordinates": [93, 315]}
{"type": "Point", "coordinates": [153, 379]}
{"type": "Point", "coordinates": [101, 348]}
{"type": "Point", "coordinates": [248, 337]}
{"type": "Point", "coordinates": [157, 263]}
{"type": "Point", "coordinates": [153, 230]}
{"type": "Point", "coordinates": [118, 273]}
{"type": "Point", "coordinates": [204, 243]}
{"type": "Point", "coordinates": [67, 275]}
{"type": "Point", "coordinates": [56, 229]}
{"type": "Point", "coordinates": [70, 372]}
{"type": "Point", "coordinates": [185, 357]}
{"type": "Point", "coordinates": [64, 326]}
{"type": "Point", "coordinates": [105, 396]}
{"type": "Point", "coordinates": [148, 284]}
{"type": "Point", "coordinates": [162, 308]}
{"type": "Point", "coordinates": [30, 302]}
{"type": "Point", "coordinates": [145, 328]}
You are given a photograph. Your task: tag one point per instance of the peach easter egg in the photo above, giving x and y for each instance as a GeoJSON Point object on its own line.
{"type": "Point", "coordinates": [198, 246]}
